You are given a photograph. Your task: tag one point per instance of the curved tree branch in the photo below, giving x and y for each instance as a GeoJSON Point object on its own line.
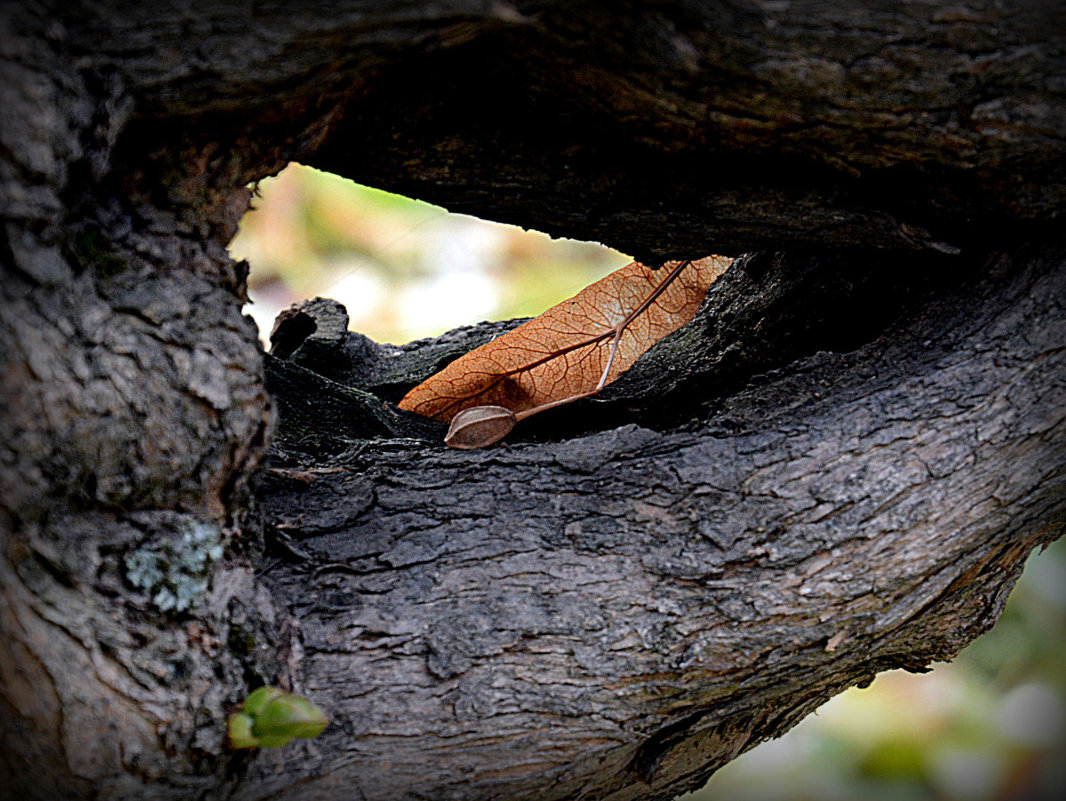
{"type": "Point", "coordinates": [622, 612]}
{"type": "Point", "coordinates": [837, 468]}
{"type": "Point", "coordinates": [669, 131]}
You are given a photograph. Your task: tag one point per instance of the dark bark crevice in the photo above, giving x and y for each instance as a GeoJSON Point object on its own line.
{"type": "Point", "coordinates": [768, 311]}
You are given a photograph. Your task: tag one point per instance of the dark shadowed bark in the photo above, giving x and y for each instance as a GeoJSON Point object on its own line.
{"type": "Point", "coordinates": [836, 469]}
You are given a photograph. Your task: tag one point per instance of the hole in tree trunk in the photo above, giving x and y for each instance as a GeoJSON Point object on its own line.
{"type": "Point", "coordinates": [400, 268]}
{"type": "Point", "coordinates": [403, 269]}
{"type": "Point", "coordinates": [290, 331]}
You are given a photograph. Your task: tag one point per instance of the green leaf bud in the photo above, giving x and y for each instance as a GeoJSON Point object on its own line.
{"type": "Point", "coordinates": [270, 718]}
{"type": "Point", "coordinates": [289, 716]}
{"type": "Point", "coordinates": [258, 699]}
{"type": "Point", "coordinates": [239, 729]}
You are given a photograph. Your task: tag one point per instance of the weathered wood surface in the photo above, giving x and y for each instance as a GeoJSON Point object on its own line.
{"type": "Point", "coordinates": [681, 129]}
{"type": "Point", "coordinates": [839, 469]}
{"type": "Point", "coordinates": [614, 615]}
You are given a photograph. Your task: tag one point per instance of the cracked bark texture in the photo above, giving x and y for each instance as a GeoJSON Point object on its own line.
{"type": "Point", "coordinates": [837, 469]}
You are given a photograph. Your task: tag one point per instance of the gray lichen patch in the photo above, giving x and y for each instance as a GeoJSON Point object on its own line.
{"type": "Point", "coordinates": [175, 572]}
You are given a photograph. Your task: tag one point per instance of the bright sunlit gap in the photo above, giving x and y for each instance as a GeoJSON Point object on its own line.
{"type": "Point", "coordinates": [404, 269]}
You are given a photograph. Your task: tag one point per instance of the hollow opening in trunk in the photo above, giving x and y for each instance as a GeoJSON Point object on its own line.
{"type": "Point", "coordinates": [769, 310]}
{"type": "Point", "coordinates": [403, 269]}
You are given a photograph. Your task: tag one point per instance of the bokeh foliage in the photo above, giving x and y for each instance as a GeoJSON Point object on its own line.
{"type": "Point", "coordinates": [403, 268]}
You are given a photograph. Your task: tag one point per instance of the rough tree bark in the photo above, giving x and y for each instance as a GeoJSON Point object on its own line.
{"type": "Point", "coordinates": [838, 468]}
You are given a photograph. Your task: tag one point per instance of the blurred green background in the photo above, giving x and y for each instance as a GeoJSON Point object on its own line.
{"type": "Point", "coordinates": [987, 727]}
{"type": "Point", "coordinates": [404, 269]}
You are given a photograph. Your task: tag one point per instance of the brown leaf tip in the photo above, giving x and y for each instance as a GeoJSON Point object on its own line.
{"type": "Point", "coordinates": [479, 427]}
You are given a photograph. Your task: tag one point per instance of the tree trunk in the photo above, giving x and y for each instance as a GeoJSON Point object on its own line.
{"type": "Point", "coordinates": [837, 468]}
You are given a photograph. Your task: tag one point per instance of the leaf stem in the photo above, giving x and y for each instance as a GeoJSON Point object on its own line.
{"type": "Point", "coordinates": [633, 315]}
{"type": "Point", "coordinates": [552, 404]}
{"type": "Point", "coordinates": [617, 332]}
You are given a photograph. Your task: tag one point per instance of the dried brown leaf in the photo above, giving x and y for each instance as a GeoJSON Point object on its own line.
{"type": "Point", "coordinates": [550, 359]}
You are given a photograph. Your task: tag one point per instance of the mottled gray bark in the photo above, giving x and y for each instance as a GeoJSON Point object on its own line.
{"type": "Point", "coordinates": [613, 615]}
{"type": "Point", "coordinates": [837, 469]}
